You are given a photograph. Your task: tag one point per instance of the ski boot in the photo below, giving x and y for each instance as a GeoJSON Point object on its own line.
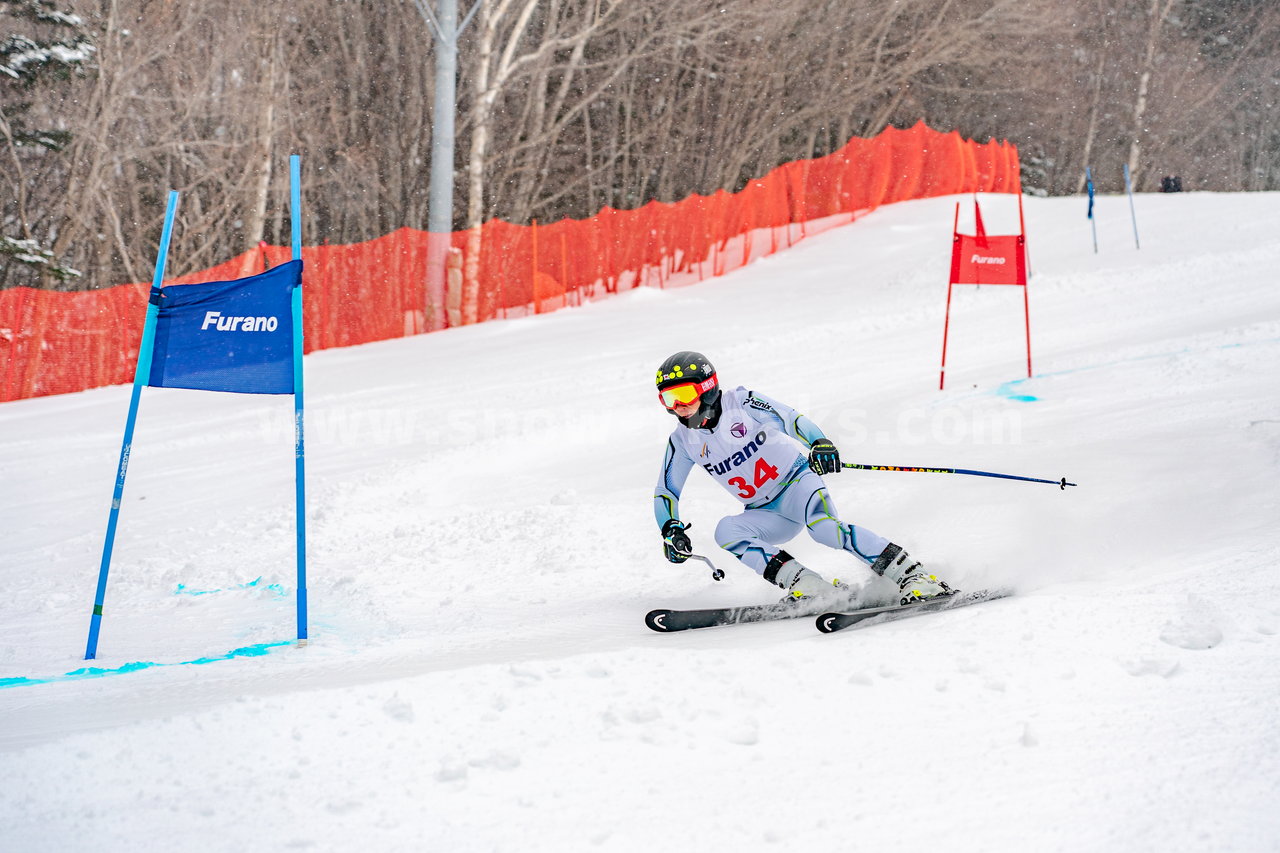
{"type": "Point", "coordinates": [913, 580]}
{"type": "Point", "coordinates": [801, 583]}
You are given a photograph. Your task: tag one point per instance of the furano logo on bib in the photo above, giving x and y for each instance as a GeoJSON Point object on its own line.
{"type": "Point", "coordinates": [239, 324]}
{"type": "Point", "coordinates": [724, 465]}
{"type": "Point", "coordinates": [983, 259]}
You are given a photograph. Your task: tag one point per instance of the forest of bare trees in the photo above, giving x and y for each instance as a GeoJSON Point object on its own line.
{"type": "Point", "coordinates": [567, 106]}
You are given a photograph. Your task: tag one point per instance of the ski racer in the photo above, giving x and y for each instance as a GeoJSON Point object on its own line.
{"type": "Point", "coordinates": [747, 443]}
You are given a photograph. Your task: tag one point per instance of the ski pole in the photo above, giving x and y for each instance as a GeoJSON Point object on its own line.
{"type": "Point", "coordinates": [1061, 484]}
{"type": "Point", "coordinates": [716, 574]}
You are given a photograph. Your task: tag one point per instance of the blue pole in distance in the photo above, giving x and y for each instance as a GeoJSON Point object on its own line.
{"type": "Point", "coordinates": [295, 203]}
{"type": "Point", "coordinates": [140, 376]}
{"type": "Point", "coordinates": [1133, 214]}
{"type": "Point", "coordinates": [1093, 223]}
{"type": "Point", "coordinates": [299, 455]}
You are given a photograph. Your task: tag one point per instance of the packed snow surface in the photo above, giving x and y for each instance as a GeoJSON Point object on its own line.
{"type": "Point", "coordinates": [483, 552]}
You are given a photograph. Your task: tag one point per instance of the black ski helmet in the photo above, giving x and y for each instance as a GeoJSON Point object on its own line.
{"type": "Point", "coordinates": [692, 368]}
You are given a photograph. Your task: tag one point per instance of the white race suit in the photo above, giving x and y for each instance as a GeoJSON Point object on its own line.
{"type": "Point", "coordinates": [751, 452]}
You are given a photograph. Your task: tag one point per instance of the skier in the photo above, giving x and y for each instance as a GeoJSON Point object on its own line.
{"type": "Point", "coordinates": [738, 438]}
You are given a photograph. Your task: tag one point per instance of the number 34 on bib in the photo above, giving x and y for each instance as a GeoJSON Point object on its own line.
{"type": "Point", "coordinates": [764, 473]}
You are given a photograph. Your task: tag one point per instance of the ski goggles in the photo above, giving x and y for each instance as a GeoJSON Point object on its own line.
{"type": "Point", "coordinates": [686, 393]}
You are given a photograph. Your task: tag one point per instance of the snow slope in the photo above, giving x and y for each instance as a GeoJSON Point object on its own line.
{"type": "Point", "coordinates": [483, 553]}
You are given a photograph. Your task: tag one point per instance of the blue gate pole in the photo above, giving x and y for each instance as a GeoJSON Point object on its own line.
{"type": "Point", "coordinates": [299, 455]}
{"type": "Point", "coordinates": [140, 375]}
{"type": "Point", "coordinates": [1093, 223]}
{"type": "Point", "coordinates": [1128, 187]}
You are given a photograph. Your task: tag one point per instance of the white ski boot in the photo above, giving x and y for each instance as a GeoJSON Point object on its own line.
{"type": "Point", "coordinates": [801, 583]}
{"type": "Point", "coordinates": [810, 584]}
{"type": "Point", "coordinates": [913, 580]}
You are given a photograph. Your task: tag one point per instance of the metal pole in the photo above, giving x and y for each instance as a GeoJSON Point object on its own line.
{"type": "Point", "coordinates": [440, 190]}
{"type": "Point", "coordinates": [445, 29]}
{"type": "Point", "coordinates": [1128, 187]}
{"type": "Point", "coordinates": [140, 375]}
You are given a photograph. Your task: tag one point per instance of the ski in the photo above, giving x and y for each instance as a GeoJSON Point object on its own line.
{"type": "Point", "coordinates": [830, 622]}
{"type": "Point", "coordinates": [665, 621]}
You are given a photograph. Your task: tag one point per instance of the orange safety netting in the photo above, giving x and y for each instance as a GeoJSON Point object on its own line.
{"type": "Point", "coordinates": [56, 342]}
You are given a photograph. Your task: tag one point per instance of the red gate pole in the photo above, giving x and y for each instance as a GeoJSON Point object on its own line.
{"type": "Point", "coordinates": [1024, 273]}
{"type": "Point", "coordinates": [1026, 313]}
{"type": "Point", "coordinates": [951, 279]}
{"type": "Point", "coordinates": [942, 373]}
{"type": "Point", "coordinates": [1022, 229]}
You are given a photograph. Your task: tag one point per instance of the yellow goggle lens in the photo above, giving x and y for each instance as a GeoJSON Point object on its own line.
{"type": "Point", "coordinates": [684, 394]}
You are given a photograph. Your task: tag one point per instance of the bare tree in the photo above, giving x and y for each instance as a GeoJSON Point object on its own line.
{"type": "Point", "coordinates": [1156, 16]}
{"type": "Point", "coordinates": [493, 68]}
{"type": "Point", "coordinates": [43, 52]}
{"type": "Point", "coordinates": [570, 105]}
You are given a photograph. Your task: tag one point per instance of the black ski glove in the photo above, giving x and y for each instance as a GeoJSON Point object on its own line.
{"type": "Point", "coordinates": [675, 542]}
{"type": "Point", "coordinates": [823, 457]}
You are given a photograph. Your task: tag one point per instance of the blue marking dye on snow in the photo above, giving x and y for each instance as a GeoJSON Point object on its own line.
{"type": "Point", "coordinates": [274, 587]}
{"type": "Point", "coordinates": [1007, 390]}
{"type": "Point", "coordinates": [247, 652]}
{"type": "Point", "coordinates": [254, 651]}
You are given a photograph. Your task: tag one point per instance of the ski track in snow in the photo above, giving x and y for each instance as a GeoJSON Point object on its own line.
{"type": "Point", "coordinates": [482, 553]}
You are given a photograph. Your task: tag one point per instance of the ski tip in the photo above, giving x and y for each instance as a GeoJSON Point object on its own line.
{"type": "Point", "coordinates": [656, 620]}
{"type": "Point", "coordinates": [826, 622]}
